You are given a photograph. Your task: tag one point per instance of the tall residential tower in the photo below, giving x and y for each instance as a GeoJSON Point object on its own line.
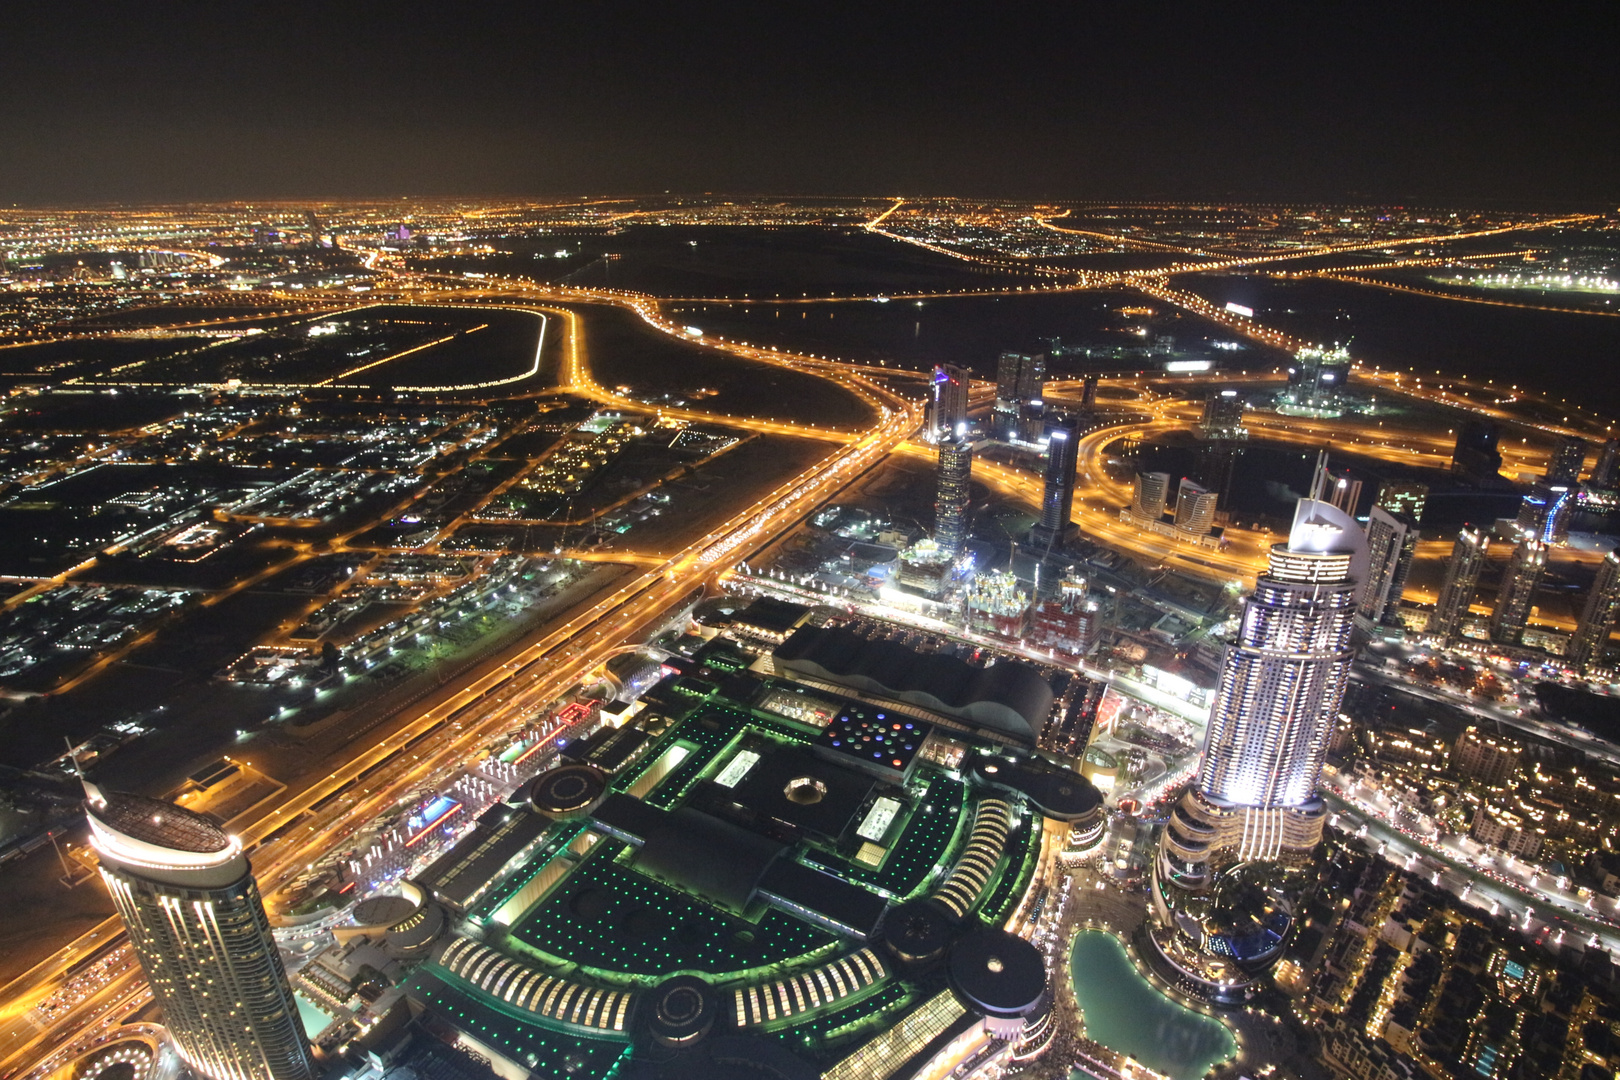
{"type": "Point", "coordinates": [1517, 593]}
{"type": "Point", "coordinates": [1597, 616]}
{"type": "Point", "coordinates": [1057, 498]}
{"type": "Point", "coordinates": [952, 488]}
{"type": "Point", "coordinates": [1461, 581]}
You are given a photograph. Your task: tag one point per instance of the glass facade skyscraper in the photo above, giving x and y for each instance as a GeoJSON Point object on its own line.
{"type": "Point", "coordinates": [187, 897]}
{"type": "Point", "coordinates": [1057, 497]}
{"type": "Point", "coordinates": [953, 485]}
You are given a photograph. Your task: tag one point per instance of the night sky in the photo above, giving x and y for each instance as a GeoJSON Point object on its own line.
{"type": "Point", "coordinates": [1418, 103]}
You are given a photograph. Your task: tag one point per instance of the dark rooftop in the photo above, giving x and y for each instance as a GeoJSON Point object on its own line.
{"type": "Point", "coordinates": [797, 788]}
{"type": "Point", "coordinates": [502, 831]}
{"type": "Point", "coordinates": [1010, 696]}
{"type": "Point", "coordinates": [835, 901]}
{"type": "Point", "coordinates": [1057, 793]}
{"type": "Point", "coordinates": [710, 858]}
{"type": "Point", "coordinates": [997, 973]}
{"type": "Point", "coordinates": [769, 613]}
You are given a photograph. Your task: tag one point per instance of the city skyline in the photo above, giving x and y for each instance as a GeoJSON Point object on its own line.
{"type": "Point", "coordinates": [839, 637]}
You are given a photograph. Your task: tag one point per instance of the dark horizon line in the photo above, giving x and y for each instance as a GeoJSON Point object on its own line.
{"type": "Point", "coordinates": [1230, 198]}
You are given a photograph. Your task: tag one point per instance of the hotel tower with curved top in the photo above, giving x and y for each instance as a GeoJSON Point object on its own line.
{"type": "Point", "coordinates": [1221, 879]}
{"type": "Point", "coordinates": [187, 896]}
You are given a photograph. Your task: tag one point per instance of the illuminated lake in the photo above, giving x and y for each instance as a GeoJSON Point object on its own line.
{"type": "Point", "coordinates": [1125, 1012]}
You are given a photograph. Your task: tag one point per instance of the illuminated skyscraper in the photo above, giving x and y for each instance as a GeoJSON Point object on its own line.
{"type": "Point", "coordinates": [1517, 592]}
{"type": "Point", "coordinates": [1284, 678]}
{"type": "Point", "coordinates": [1461, 581]}
{"type": "Point", "coordinates": [187, 897]}
{"type": "Point", "coordinates": [1597, 616]}
{"type": "Point", "coordinates": [1568, 456]}
{"type": "Point", "coordinates": [1195, 508]}
{"type": "Point", "coordinates": [1057, 499]}
{"type": "Point", "coordinates": [947, 403]}
{"type": "Point", "coordinates": [1544, 513]}
{"type": "Point", "coordinates": [953, 488]}
{"type": "Point", "coordinates": [1316, 381]}
{"type": "Point", "coordinates": [1391, 549]}
{"type": "Point", "coordinates": [1223, 917]}
{"type": "Point", "coordinates": [1222, 417]}
{"type": "Point", "coordinates": [1020, 397]}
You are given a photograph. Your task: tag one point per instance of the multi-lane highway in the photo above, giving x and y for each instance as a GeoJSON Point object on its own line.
{"type": "Point", "coordinates": [292, 836]}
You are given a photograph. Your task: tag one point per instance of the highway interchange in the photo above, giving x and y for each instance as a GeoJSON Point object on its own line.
{"type": "Point", "coordinates": [443, 735]}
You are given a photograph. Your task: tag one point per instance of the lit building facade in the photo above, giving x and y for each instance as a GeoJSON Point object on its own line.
{"type": "Point", "coordinates": [187, 897]}
{"type": "Point", "coordinates": [1391, 549]}
{"type": "Point", "coordinates": [947, 404]}
{"type": "Point", "coordinates": [1220, 879]}
{"type": "Point", "coordinates": [1591, 635]}
{"type": "Point", "coordinates": [953, 488]}
{"type": "Point", "coordinates": [1516, 595]}
{"type": "Point", "coordinates": [1222, 417]}
{"type": "Point", "coordinates": [1195, 508]}
{"type": "Point", "coordinates": [1316, 382]}
{"type": "Point", "coordinates": [1057, 497]}
{"type": "Point", "coordinates": [1544, 513]}
{"type": "Point", "coordinates": [1152, 494]}
{"type": "Point", "coordinates": [1568, 458]}
{"type": "Point", "coordinates": [1461, 582]}
{"type": "Point", "coordinates": [1606, 472]}
{"type": "Point", "coordinates": [1020, 397]}
{"type": "Point", "coordinates": [1405, 497]}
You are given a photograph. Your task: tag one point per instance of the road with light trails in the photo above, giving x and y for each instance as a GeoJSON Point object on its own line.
{"type": "Point", "coordinates": [293, 836]}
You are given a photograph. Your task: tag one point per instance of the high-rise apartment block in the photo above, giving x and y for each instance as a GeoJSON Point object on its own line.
{"type": "Point", "coordinates": [947, 406]}
{"type": "Point", "coordinates": [1460, 584]}
{"type": "Point", "coordinates": [1317, 378]}
{"type": "Point", "coordinates": [197, 925]}
{"type": "Point", "coordinates": [1591, 635]}
{"type": "Point", "coordinates": [1516, 595]}
{"type": "Point", "coordinates": [1475, 458]}
{"type": "Point", "coordinates": [1020, 406]}
{"type": "Point", "coordinates": [1606, 473]}
{"type": "Point", "coordinates": [1490, 759]}
{"type": "Point", "coordinates": [1405, 497]}
{"type": "Point", "coordinates": [1391, 549]}
{"type": "Point", "coordinates": [1222, 417]}
{"type": "Point", "coordinates": [1544, 513]}
{"type": "Point", "coordinates": [1568, 458]}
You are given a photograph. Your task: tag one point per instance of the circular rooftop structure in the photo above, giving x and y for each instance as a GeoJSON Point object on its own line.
{"type": "Point", "coordinates": [917, 932]}
{"type": "Point", "coordinates": [680, 1011]}
{"type": "Point", "coordinates": [160, 824]}
{"type": "Point", "coordinates": [1001, 976]}
{"type": "Point", "coordinates": [567, 789]}
{"type": "Point", "coordinates": [155, 839]}
{"type": "Point", "coordinates": [405, 924]}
